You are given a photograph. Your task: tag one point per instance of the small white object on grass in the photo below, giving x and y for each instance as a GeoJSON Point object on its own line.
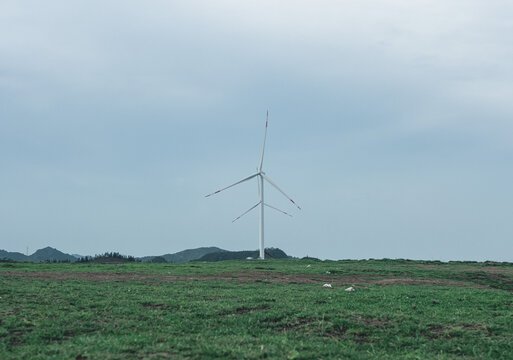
{"type": "Point", "coordinates": [327, 286]}
{"type": "Point", "coordinates": [308, 265]}
{"type": "Point", "coordinates": [350, 289]}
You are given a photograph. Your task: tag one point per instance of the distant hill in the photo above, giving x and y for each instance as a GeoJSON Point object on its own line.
{"type": "Point", "coordinates": [51, 254]}
{"type": "Point", "coordinates": [14, 256]}
{"type": "Point", "coordinates": [41, 255]}
{"type": "Point", "coordinates": [185, 255]}
{"type": "Point", "coordinates": [270, 253]}
{"type": "Point", "coordinates": [158, 259]}
{"type": "Point", "coordinates": [199, 254]}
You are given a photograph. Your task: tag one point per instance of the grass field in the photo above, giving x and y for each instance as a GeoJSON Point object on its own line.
{"type": "Point", "coordinates": [257, 309]}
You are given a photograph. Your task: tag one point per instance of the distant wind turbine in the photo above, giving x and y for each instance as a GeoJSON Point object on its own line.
{"type": "Point", "coordinates": [261, 177]}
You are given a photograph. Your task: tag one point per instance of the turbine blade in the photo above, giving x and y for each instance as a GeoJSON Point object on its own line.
{"type": "Point", "coordinates": [238, 182]}
{"type": "Point", "coordinates": [238, 217]}
{"type": "Point", "coordinates": [280, 190]}
{"type": "Point", "coordinates": [272, 207]}
{"type": "Point", "coordinates": [263, 146]}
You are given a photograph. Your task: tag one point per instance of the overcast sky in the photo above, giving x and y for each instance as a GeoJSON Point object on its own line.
{"type": "Point", "coordinates": [391, 124]}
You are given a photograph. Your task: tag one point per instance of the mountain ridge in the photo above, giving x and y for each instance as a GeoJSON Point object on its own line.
{"type": "Point", "coordinates": [270, 253]}
{"type": "Point", "coordinates": [211, 253]}
{"type": "Point", "coordinates": [45, 254]}
{"type": "Point", "coordinates": [185, 255]}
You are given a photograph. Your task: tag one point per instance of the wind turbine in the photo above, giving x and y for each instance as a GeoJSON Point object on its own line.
{"type": "Point", "coordinates": [261, 176]}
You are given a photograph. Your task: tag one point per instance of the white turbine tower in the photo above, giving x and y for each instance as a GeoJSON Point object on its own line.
{"type": "Point", "coordinates": [261, 177]}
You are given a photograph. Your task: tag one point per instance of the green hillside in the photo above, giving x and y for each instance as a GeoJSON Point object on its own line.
{"type": "Point", "coordinates": [50, 254]}
{"type": "Point", "coordinates": [190, 254]}
{"type": "Point", "coordinates": [14, 256]}
{"type": "Point", "coordinates": [41, 255]}
{"type": "Point", "coordinates": [270, 253]}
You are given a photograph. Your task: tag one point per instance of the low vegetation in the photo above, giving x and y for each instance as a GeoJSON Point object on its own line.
{"type": "Point", "coordinates": [107, 258]}
{"type": "Point", "coordinates": [257, 309]}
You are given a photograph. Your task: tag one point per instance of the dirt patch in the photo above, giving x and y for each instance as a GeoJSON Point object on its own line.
{"type": "Point", "coordinates": [17, 338]}
{"type": "Point", "coordinates": [457, 268]}
{"type": "Point", "coordinates": [241, 277]}
{"type": "Point", "coordinates": [370, 321]}
{"type": "Point", "coordinates": [161, 355]}
{"type": "Point", "coordinates": [155, 306]}
{"type": "Point", "coordinates": [475, 327]}
{"type": "Point", "coordinates": [496, 270]}
{"type": "Point", "coordinates": [300, 323]}
{"type": "Point", "coordinates": [360, 338]}
{"type": "Point", "coordinates": [439, 331]}
{"type": "Point", "coordinates": [245, 309]}
{"type": "Point", "coordinates": [409, 281]}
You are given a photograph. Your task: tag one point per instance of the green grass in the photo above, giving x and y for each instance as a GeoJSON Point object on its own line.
{"type": "Point", "coordinates": [279, 316]}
